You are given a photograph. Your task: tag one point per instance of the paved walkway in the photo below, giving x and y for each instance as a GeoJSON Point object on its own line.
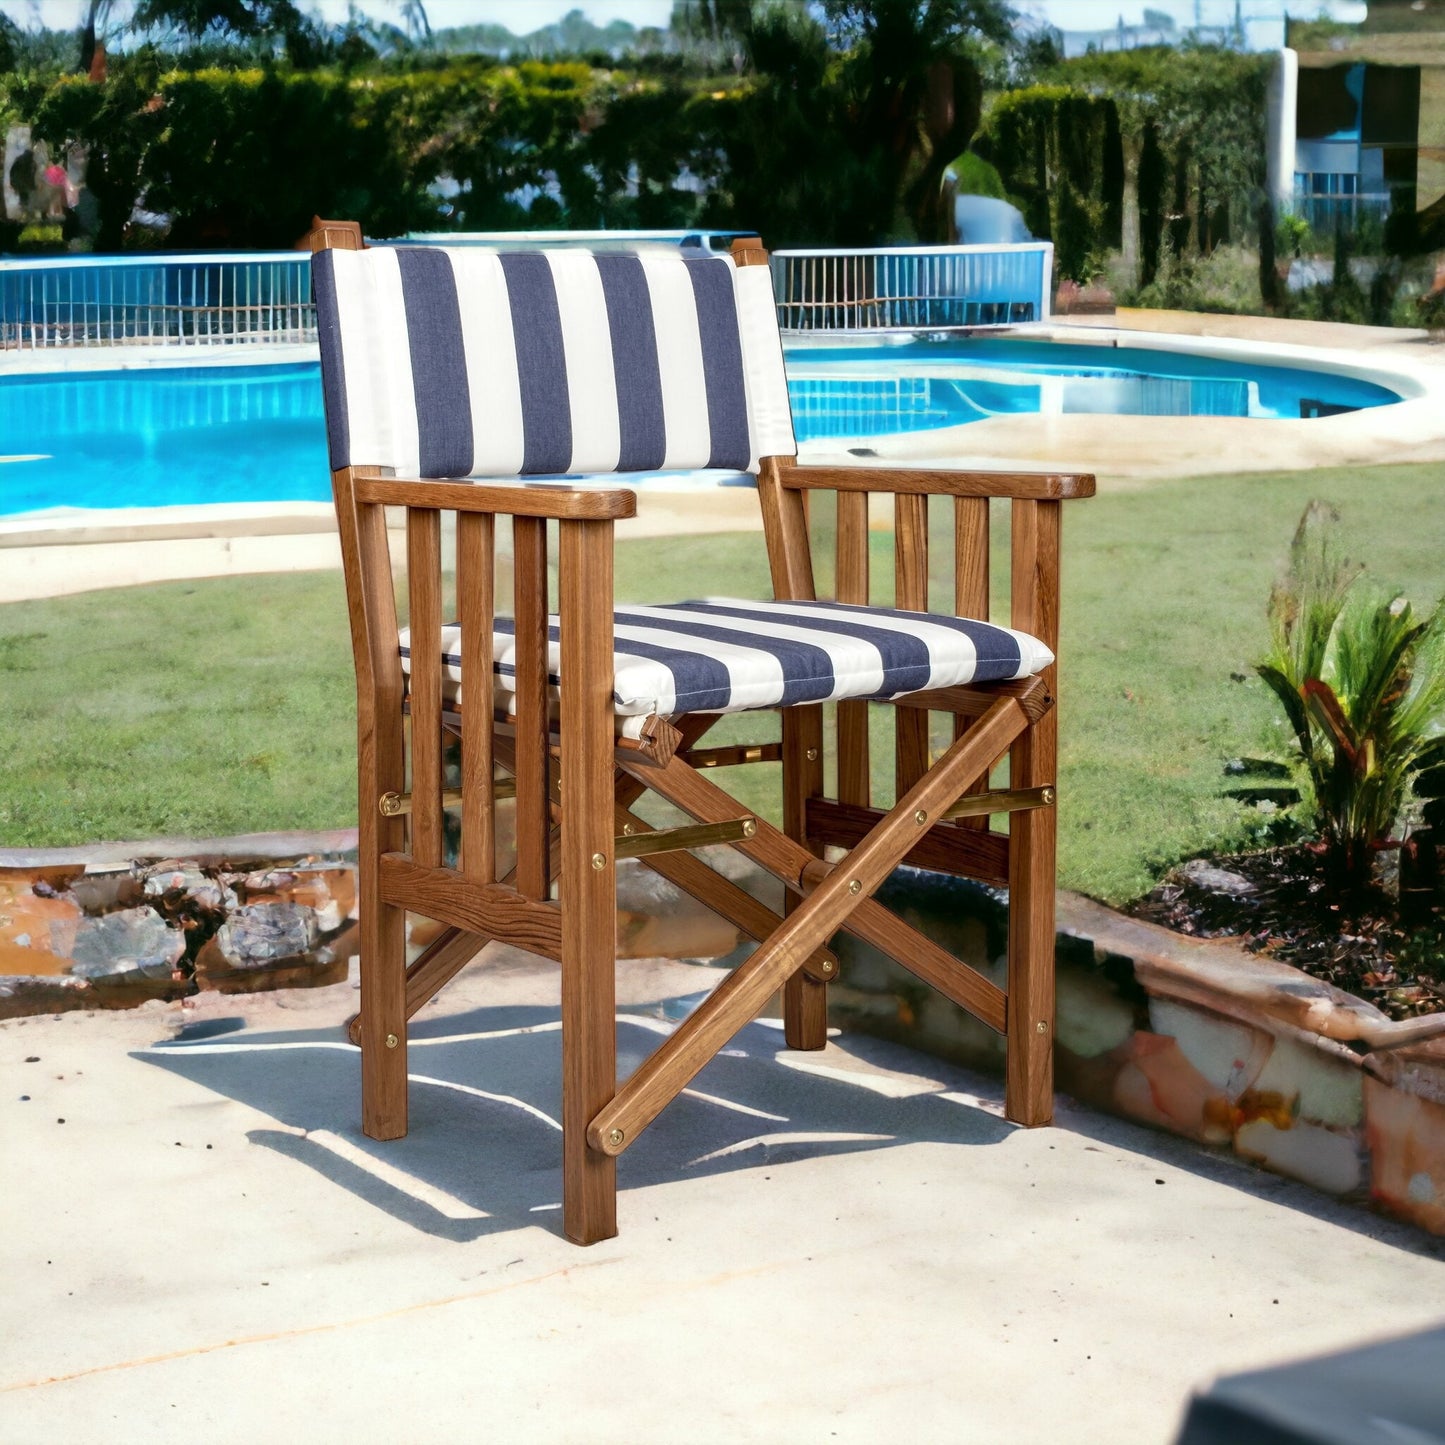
{"type": "Point", "coordinates": [845, 1246]}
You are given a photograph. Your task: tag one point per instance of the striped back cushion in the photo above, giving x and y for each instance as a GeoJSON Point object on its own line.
{"type": "Point", "coordinates": [468, 363]}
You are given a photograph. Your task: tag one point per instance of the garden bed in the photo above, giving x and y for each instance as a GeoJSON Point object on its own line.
{"type": "Point", "coordinates": [1280, 903]}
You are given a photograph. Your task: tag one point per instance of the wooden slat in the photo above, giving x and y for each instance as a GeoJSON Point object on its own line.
{"type": "Point", "coordinates": [736, 756]}
{"type": "Point", "coordinates": [435, 967]}
{"type": "Point", "coordinates": [853, 588]}
{"type": "Point", "coordinates": [516, 499]}
{"type": "Point", "coordinates": [589, 878]}
{"type": "Point", "coordinates": [381, 767]}
{"type": "Point", "coordinates": [475, 541]}
{"type": "Point", "coordinates": [1055, 486]}
{"type": "Point", "coordinates": [785, 527]}
{"type": "Point", "coordinates": [424, 592]}
{"type": "Point", "coordinates": [1033, 695]}
{"type": "Point", "coordinates": [736, 1000]}
{"type": "Point", "coordinates": [805, 999]}
{"type": "Point", "coordinates": [493, 910]}
{"type": "Point", "coordinates": [970, 571]}
{"type": "Point", "coordinates": [529, 543]}
{"type": "Point", "coordinates": [946, 848]}
{"type": "Point", "coordinates": [910, 585]}
{"type": "Point", "coordinates": [1029, 1086]}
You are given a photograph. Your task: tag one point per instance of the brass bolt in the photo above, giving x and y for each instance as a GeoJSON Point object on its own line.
{"type": "Point", "coordinates": [920, 817]}
{"type": "Point", "coordinates": [1047, 795]}
{"type": "Point", "coordinates": [1041, 1027]}
{"type": "Point", "coordinates": [750, 827]}
{"type": "Point", "coordinates": [392, 1041]}
{"type": "Point", "coordinates": [615, 1137]}
{"type": "Point", "coordinates": [627, 830]}
{"type": "Point", "coordinates": [599, 861]}
{"type": "Point", "coordinates": [812, 755]}
{"type": "Point", "coordinates": [827, 965]}
{"type": "Point", "coordinates": [854, 886]}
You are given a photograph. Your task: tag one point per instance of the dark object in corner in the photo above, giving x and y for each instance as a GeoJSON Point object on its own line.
{"type": "Point", "coordinates": [1310, 408]}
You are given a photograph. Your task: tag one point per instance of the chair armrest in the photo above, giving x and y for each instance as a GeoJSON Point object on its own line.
{"type": "Point", "coordinates": [1029, 486]}
{"type": "Point", "coordinates": [509, 499]}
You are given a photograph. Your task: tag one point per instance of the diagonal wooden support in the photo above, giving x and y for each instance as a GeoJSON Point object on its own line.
{"type": "Point", "coordinates": [738, 998]}
{"type": "Point", "coordinates": [440, 962]}
{"type": "Point", "coordinates": [726, 899]}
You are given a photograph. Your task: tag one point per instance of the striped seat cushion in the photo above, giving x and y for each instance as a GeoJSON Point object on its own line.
{"type": "Point", "coordinates": [728, 655]}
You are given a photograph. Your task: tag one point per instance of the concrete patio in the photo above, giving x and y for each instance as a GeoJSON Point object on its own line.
{"type": "Point", "coordinates": [199, 1243]}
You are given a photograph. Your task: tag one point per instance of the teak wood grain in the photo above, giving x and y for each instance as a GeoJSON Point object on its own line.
{"type": "Point", "coordinates": [910, 586]}
{"type": "Point", "coordinates": [494, 910]}
{"type": "Point", "coordinates": [588, 888]}
{"type": "Point", "coordinates": [920, 955]}
{"type": "Point", "coordinates": [476, 544]}
{"type": "Point", "coordinates": [435, 967]}
{"type": "Point", "coordinates": [946, 848]}
{"type": "Point", "coordinates": [1029, 1088]}
{"type": "Point", "coordinates": [1056, 486]}
{"type": "Point", "coordinates": [424, 592]}
{"type": "Point", "coordinates": [659, 1078]}
{"type": "Point", "coordinates": [852, 569]}
{"type": "Point", "coordinates": [515, 499]}
{"type": "Point", "coordinates": [805, 998]}
{"type": "Point", "coordinates": [533, 823]}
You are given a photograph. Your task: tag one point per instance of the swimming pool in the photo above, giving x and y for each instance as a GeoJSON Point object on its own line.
{"type": "Point", "coordinates": [187, 435]}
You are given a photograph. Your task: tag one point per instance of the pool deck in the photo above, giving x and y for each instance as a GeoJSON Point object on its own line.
{"type": "Point", "coordinates": [46, 555]}
{"type": "Point", "coordinates": [814, 1247]}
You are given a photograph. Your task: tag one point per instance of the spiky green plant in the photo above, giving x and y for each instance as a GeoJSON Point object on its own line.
{"type": "Point", "coordinates": [1361, 679]}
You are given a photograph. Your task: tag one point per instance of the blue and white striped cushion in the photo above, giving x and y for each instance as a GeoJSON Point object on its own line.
{"type": "Point", "coordinates": [469, 363]}
{"type": "Point", "coordinates": [727, 655]}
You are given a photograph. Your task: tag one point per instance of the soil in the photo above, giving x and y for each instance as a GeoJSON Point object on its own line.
{"type": "Point", "coordinates": [1279, 903]}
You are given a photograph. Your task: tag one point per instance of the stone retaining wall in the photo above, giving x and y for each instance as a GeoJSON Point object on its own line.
{"type": "Point", "coordinates": [1197, 1037]}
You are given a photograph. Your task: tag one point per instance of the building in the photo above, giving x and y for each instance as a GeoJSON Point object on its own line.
{"type": "Point", "coordinates": [1357, 121]}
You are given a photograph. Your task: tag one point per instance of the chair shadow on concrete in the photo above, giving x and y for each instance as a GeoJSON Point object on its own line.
{"type": "Point", "coordinates": [482, 1155]}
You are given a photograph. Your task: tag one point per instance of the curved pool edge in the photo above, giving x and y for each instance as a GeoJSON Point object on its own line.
{"type": "Point", "coordinates": [1154, 447]}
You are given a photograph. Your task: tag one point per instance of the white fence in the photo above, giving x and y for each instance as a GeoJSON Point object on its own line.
{"type": "Point", "coordinates": [165, 299]}
{"type": "Point", "coordinates": [913, 288]}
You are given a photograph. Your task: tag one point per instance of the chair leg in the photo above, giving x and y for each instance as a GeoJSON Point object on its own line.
{"type": "Point", "coordinates": [587, 889]}
{"type": "Point", "coordinates": [1029, 1088]}
{"type": "Point", "coordinates": [383, 1012]}
{"type": "Point", "coordinates": [805, 999]}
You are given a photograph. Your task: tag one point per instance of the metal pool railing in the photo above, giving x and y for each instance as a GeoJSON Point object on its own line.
{"type": "Point", "coordinates": [196, 299]}
{"type": "Point", "coordinates": [915, 288]}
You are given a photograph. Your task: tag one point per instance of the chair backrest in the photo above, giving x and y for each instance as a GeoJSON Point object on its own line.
{"type": "Point", "coordinates": [442, 362]}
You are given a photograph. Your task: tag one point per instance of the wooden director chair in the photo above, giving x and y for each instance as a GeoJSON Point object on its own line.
{"type": "Point", "coordinates": [442, 364]}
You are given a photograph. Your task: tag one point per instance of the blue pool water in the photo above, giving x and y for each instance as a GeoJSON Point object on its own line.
{"type": "Point", "coordinates": [167, 436]}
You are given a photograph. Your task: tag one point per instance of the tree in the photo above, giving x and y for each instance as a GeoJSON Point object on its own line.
{"type": "Point", "coordinates": [245, 19]}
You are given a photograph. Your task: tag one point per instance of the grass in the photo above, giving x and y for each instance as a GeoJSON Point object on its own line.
{"type": "Point", "coordinates": [226, 706]}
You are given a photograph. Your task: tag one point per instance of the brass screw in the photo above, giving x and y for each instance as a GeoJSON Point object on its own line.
{"type": "Point", "coordinates": [627, 830]}
{"type": "Point", "coordinates": [615, 1136]}
{"type": "Point", "coordinates": [920, 817]}
{"type": "Point", "coordinates": [1041, 1027]}
{"type": "Point", "coordinates": [827, 965]}
{"type": "Point", "coordinates": [392, 1041]}
{"type": "Point", "coordinates": [599, 862]}
{"type": "Point", "coordinates": [812, 755]}
{"type": "Point", "coordinates": [1047, 795]}
{"type": "Point", "coordinates": [750, 827]}
{"type": "Point", "coordinates": [854, 886]}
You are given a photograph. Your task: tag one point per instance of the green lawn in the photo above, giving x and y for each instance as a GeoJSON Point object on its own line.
{"type": "Point", "coordinates": [226, 706]}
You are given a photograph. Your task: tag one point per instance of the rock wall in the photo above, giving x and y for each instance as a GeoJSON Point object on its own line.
{"type": "Point", "coordinates": [1192, 1036]}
